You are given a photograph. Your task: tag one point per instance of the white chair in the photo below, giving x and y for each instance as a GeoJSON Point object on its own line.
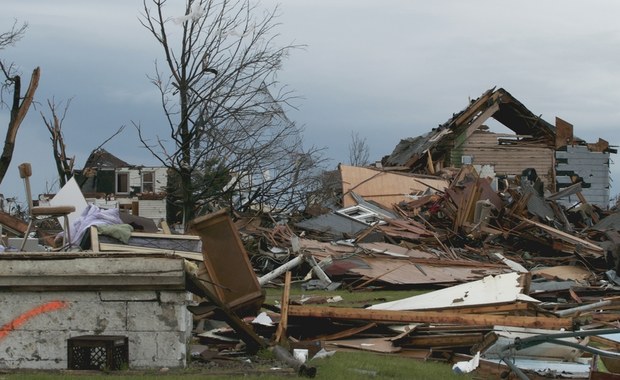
{"type": "Point", "coordinates": [42, 212]}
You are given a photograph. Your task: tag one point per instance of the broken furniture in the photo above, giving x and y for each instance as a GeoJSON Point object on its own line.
{"type": "Point", "coordinates": [225, 278]}
{"type": "Point", "coordinates": [42, 212]}
{"type": "Point", "coordinates": [227, 271]}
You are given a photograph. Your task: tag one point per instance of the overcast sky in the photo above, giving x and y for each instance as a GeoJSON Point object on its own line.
{"type": "Point", "coordinates": [387, 70]}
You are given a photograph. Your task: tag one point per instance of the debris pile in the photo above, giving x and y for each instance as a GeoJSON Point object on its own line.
{"type": "Point", "coordinates": [512, 265]}
{"type": "Point", "coordinates": [518, 280]}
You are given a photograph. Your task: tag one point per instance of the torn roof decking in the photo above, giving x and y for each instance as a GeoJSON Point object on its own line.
{"type": "Point", "coordinates": [101, 158]}
{"type": "Point", "coordinates": [383, 187]}
{"type": "Point", "coordinates": [498, 104]}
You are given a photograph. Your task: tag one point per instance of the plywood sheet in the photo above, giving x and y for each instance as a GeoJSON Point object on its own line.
{"type": "Point", "coordinates": [563, 272]}
{"type": "Point", "coordinates": [384, 188]}
{"type": "Point", "coordinates": [404, 272]}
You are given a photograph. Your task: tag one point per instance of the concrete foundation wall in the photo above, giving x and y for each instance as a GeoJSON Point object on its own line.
{"type": "Point", "coordinates": [36, 325]}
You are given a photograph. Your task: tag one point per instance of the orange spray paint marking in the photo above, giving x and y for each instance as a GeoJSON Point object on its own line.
{"type": "Point", "coordinates": [17, 322]}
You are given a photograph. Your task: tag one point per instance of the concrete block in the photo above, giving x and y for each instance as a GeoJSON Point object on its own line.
{"type": "Point", "coordinates": [157, 350]}
{"type": "Point", "coordinates": [36, 350]}
{"type": "Point", "coordinates": [150, 316]}
{"type": "Point", "coordinates": [138, 295]}
{"type": "Point", "coordinates": [158, 332]}
{"type": "Point", "coordinates": [175, 297]}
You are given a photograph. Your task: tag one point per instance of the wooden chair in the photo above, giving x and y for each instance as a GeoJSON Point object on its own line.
{"type": "Point", "coordinates": [42, 212]}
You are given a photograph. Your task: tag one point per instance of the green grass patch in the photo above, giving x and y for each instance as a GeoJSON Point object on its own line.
{"type": "Point", "coordinates": [341, 366]}
{"type": "Point", "coordinates": [366, 365]}
{"type": "Point", "coordinates": [359, 298]}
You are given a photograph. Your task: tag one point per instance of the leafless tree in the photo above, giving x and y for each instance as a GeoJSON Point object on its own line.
{"type": "Point", "coordinates": [230, 142]}
{"type": "Point", "coordinates": [17, 103]}
{"type": "Point", "coordinates": [64, 164]}
{"type": "Point", "coordinates": [359, 151]}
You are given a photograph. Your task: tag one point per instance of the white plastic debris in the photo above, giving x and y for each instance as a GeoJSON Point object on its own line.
{"type": "Point", "coordinates": [334, 299]}
{"type": "Point", "coordinates": [300, 354]}
{"type": "Point", "coordinates": [323, 353]}
{"type": "Point", "coordinates": [467, 366]}
{"type": "Point", "coordinates": [195, 13]}
{"type": "Point", "coordinates": [263, 319]}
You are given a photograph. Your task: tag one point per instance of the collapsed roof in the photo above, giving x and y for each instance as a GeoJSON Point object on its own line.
{"type": "Point", "coordinates": [497, 104]}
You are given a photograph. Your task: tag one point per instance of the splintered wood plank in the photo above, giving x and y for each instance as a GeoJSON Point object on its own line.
{"type": "Point", "coordinates": [382, 345]}
{"type": "Point", "coordinates": [245, 331]}
{"type": "Point", "coordinates": [591, 247]}
{"type": "Point", "coordinates": [122, 248]}
{"type": "Point", "coordinates": [282, 326]}
{"type": "Point", "coordinates": [398, 316]}
{"type": "Point", "coordinates": [94, 239]}
{"type": "Point", "coordinates": [443, 340]}
{"type": "Point", "coordinates": [497, 309]}
{"type": "Point", "coordinates": [347, 333]}
{"type": "Point", "coordinates": [165, 227]}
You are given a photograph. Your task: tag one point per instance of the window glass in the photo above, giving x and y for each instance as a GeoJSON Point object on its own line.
{"type": "Point", "coordinates": [122, 182]}
{"type": "Point", "coordinates": [148, 182]}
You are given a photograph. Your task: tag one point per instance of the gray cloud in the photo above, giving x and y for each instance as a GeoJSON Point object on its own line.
{"type": "Point", "coordinates": [387, 70]}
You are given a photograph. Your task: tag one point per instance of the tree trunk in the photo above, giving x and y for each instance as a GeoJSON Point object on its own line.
{"type": "Point", "coordinates": [187, 196]}
{"type": "Point", "coordinates": [18, 113]}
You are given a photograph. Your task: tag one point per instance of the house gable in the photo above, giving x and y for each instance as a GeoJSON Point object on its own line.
{"type": "Point", "coordinates": [535, 144]}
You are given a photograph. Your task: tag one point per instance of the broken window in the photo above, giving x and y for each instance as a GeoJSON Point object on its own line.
{"type": "Point", "coordinates": [122, 182]}
{"type": "Point", "coordinates": [148, 182]}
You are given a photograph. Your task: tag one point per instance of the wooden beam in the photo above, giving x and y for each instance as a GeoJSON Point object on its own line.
{"type": "Point", "coordinates": [281, 330]}
{"type": "Point", "coordinates": [591, 247]}
{"type": "Point", "coordinates": [94, 239]}
{"type": "Point", "coordinates": [489, 112]}
{"type": "Point", "coordinates": [589, 211]}
{"type": "Point", "coordinates": [246, 333]}
{"type": "Point", "coordinates": [109, 247]}
{"type": "Point", "coordinates": [496, 309]}
{"type": "Point", "coordinates": [346, 333]}
{"type": "Point", "coordinates": [429, 163]}
{"type": "Point", "coordinates": [447, 317]}
{"type": "Point", "coordinates": [474, 107]}
{"type": "Point", "coordinates": [443, 340]}
{"type": "Point", "coordinates": [165, 228]}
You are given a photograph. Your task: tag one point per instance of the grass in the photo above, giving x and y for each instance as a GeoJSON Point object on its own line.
{"type": "Point", "coordinates": [341, 366]}
{"type": "Point", "coordinates": [366, 365]}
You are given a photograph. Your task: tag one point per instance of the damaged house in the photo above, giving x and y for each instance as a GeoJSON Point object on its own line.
{"type": "Point", "coordinates": [107, 181]}
{"type": "Point", "coordinates": [536, 149]}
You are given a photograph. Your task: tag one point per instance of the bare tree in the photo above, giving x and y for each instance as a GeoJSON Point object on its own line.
{"type": "Point", "coordinates": [64, 164]}
{"type": "Point", "coordinates": [17, 104]}
{"type": "Point", "coordinates": [230, 143]}
{"type": "Point", "coordinates": [359, 151]}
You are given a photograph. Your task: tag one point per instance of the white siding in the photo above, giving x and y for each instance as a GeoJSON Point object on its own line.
{"type": "Point", "coordinates": [153, 209]}
{"type": "Point", "coordinates": [135, 177]}
{"type": "Point", "coordinates": [593, 167]}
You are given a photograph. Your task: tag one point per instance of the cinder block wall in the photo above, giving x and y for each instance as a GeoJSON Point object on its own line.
{"type": "Point", "coordinates": [36, 325]}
